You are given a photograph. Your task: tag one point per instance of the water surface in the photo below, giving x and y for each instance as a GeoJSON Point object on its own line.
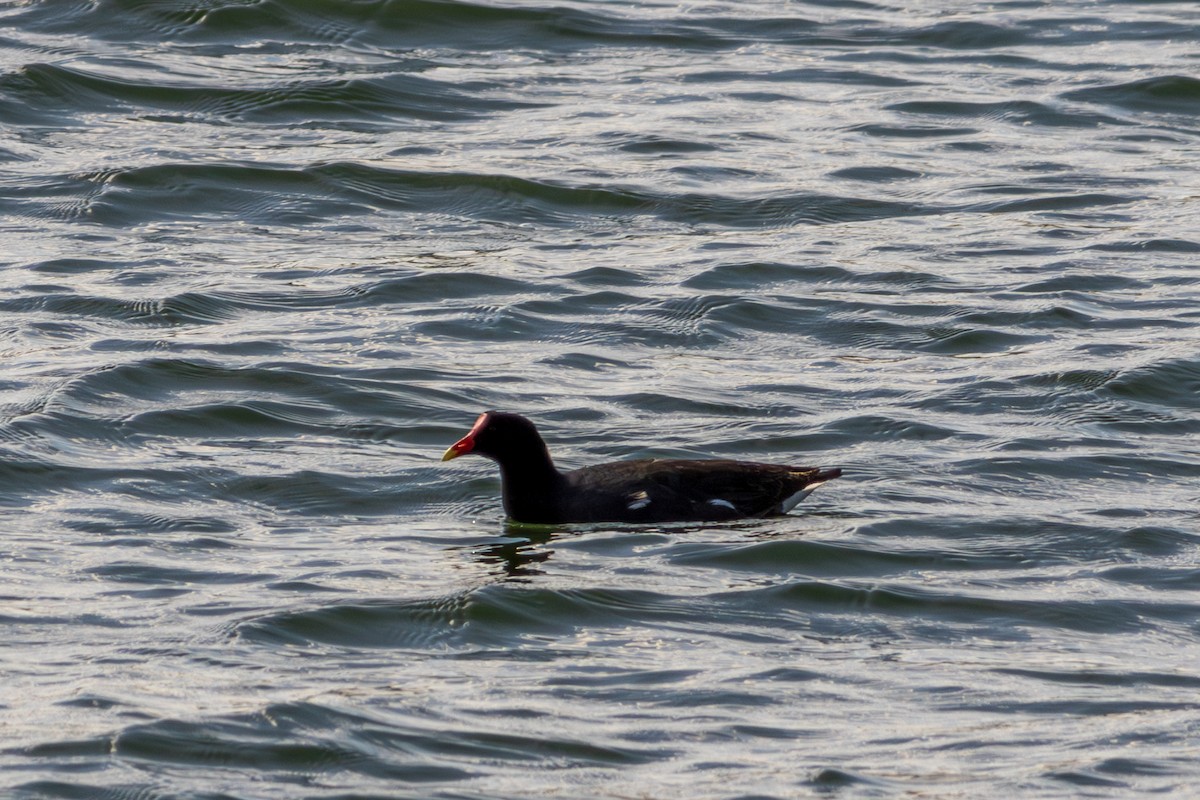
{"type": "Point", "coordinates": [264, 261]}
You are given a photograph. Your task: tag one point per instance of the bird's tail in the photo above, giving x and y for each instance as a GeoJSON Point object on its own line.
{"type": "Point", "coordinates": [818, 478]}
{"type": "Point", "coordinates": [822, 475]}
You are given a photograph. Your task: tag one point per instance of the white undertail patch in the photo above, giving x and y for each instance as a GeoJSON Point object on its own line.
{"type": "Point", "coordinates": [638, 500]}
{"type": "Point", "coordinates": [791, 502]}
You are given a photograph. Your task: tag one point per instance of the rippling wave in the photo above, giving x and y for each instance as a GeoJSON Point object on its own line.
{"type": "Point", "coordinates": [265, 260]}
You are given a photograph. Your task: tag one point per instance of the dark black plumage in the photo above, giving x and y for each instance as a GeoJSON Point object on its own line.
{"type": "Point", "coordinates": [649, 490]}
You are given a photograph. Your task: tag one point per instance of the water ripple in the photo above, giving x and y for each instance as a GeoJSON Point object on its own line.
{"type": "Point", "coordinates": [265, 260]}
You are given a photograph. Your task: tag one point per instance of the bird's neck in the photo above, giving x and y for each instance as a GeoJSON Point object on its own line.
{"type": "Point", "coordinates": [530, 485]}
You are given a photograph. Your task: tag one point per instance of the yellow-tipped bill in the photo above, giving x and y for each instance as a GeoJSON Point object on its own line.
{"type": "Point", "coordinates": [467, 443]}
{"type": "Point", "coordinates": [455, 450]}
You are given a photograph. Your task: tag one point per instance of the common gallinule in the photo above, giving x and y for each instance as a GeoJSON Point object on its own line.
{"type": "Point", "coordinates": [649, 490]}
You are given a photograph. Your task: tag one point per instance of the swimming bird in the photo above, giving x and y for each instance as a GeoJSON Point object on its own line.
{"type": "Point", "coordinates": [647, 490]}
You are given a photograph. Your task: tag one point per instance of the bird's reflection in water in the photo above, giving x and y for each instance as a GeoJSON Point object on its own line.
{"type": "Point", "coordinates": [516, 557]}
{"type": "Point", "coordinates": [522, 547]}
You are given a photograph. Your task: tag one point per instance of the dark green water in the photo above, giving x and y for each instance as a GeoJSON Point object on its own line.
{"type": "Point", "coordinates": [263, 261]}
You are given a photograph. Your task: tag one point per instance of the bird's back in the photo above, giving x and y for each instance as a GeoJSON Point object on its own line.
{"type": "Point", "coordinates": [664, 489]}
